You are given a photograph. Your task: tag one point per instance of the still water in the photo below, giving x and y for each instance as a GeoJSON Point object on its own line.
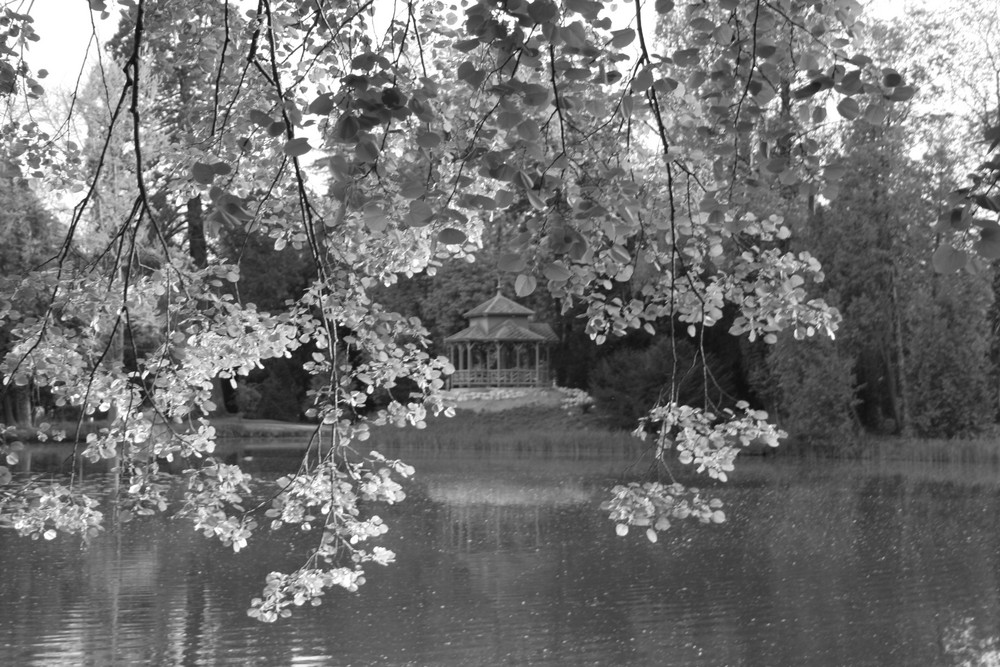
{"type": "Point", "coordinates": [506, 560]}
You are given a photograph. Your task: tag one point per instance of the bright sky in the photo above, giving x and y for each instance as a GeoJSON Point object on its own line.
{"type": "Point", "coordinates": [65, 29]}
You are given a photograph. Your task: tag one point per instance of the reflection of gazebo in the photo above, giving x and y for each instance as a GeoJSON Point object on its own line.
{"type": "Point", "coordinates": [501, 347]}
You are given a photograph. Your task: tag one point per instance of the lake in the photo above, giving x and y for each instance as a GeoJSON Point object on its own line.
{"type": "Point", "coordinates": [507, 560]}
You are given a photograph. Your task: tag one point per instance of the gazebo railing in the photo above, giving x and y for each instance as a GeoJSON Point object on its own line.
{"type": "Point", "coordinates": [505, 377]}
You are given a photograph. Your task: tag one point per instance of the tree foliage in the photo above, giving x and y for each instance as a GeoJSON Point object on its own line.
{"type": "Point", "coordinates": [961, 78]}
{"type": "Point", "coordinates": [813, 390]}
{"type": "Point", "coordinates": [949, 375]}
{"type": "Point", "coordinates": [381, 142]}
{"type": "Point", "coordinates": [911, 355]}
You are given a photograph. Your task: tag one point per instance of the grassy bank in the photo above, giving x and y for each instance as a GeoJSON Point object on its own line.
{"type": "Point", "coordinates": [985, 451]}
{"type": "Point", "coordinates": [225, 427]}
{"type": "Point", "coordinates": [544, 431]}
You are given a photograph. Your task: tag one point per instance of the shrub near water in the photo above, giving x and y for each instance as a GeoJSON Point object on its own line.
{"type": "Point", "coordinates": [628, 383]}
{"type": "Point", "coordinates": [813, 385]}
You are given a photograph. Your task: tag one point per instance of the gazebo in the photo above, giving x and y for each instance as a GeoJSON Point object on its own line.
{"type": "Point", "coordinates": [501, 347]}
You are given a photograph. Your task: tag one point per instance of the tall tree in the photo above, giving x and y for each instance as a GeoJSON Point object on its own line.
{"type": "Point", "coordinates": [911, 353]}
{"type": "Point", "coordinates": [28, 238]}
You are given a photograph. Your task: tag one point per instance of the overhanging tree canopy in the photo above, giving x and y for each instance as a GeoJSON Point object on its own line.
{"type": "Point", "coordinates": [640, 142]}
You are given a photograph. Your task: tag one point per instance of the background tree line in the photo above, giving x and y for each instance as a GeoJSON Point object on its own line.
{"type": "Point", "coordinates": [916, 354]}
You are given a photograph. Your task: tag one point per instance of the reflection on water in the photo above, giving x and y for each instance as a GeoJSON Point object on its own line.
{"type": "Point", "coordinates": [509, 561]}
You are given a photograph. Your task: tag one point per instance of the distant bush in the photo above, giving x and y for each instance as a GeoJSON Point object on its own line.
{"type": "Point", "coordinates": [575, 401]}
{"type": "Point", "coordinates": [247, 398]}
{"type": "Point", "coordinates": [948, 364]}
{"type": "Point", "coordinates": [278, 395]}
{"type": "Point", "coordinates": [814, 388]}
{"type": "Point", "coordinates": [628, 382]}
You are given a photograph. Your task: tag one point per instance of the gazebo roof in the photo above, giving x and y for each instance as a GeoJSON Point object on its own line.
{"type": "Point", "coordinates": [499, 305]}
{"type": "Point", "coordinates": [508, 331]}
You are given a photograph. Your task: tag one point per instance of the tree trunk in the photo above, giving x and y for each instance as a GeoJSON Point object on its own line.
{"type": "Point", "coordinates": [903, 417]}
{"type": "Point", "coordinates": [196, 232]}
{"type": "Point", "coordinates": [891, 383]}
{"type": "Point", "coordinates": [8, 406]}
{"type": "Point", "coordinates": [198, 248]}
{"type": "Point", "coordinates": [17, 406]}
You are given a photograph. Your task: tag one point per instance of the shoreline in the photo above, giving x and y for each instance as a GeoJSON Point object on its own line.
{"type": "Point", "coordinates": [536, 420]}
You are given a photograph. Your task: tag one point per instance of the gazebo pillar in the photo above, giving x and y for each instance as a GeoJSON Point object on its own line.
{"type": "Point", "coordinates": [499, 364]}
{"type": "Point", "coordinates": [538, 368]}
{"type": "Point", "coordinates": [451, 358]}
{"type": "Point", "coordinates": [548, 364]}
